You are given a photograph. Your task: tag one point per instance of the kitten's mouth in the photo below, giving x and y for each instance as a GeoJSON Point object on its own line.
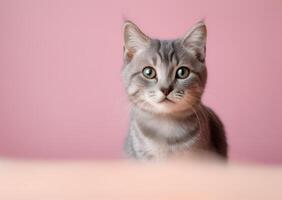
{"type": "Point", "coordinates": [166, 100]}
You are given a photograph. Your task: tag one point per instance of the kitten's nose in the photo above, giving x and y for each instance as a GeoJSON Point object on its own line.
{"type": "Point", "coordinates": [166, 90]}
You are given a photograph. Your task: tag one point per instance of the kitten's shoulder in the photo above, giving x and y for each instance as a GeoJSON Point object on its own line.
{"type": "Point", "coordinates": [217, 132]}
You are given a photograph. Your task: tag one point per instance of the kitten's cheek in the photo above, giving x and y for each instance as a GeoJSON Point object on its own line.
{"type": "Point", "coordinates": [132, 89]}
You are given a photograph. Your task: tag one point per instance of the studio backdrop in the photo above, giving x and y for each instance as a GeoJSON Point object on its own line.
{"type": "Point", "coordinates": [61, 94]}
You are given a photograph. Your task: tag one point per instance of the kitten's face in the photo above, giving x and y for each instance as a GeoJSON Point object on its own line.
{"type": "Point", "coordinates": [161, 76]}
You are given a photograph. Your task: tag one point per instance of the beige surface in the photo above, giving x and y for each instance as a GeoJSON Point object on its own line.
{"type": "Point", "coordinates": [56, 180]}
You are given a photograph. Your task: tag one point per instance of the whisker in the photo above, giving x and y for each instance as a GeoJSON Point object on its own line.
{"type": "Point", "coordinates": [198, 119]}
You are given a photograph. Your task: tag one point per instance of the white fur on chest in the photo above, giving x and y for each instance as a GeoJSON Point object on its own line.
{"type": "Point", "coordinates": [155, 136]}
{"type": "Point", "coordinates": [150, 148]}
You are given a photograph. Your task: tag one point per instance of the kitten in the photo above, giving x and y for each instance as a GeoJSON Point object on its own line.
{"type": "Point", "coordinates": [165, 80]}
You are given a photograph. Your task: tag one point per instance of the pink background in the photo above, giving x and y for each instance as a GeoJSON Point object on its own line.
{"type": "Point", "coordinates": [60, 87]}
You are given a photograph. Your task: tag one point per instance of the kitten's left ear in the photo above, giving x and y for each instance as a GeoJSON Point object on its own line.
{"type": "Point", "coordinates": [195, 40]}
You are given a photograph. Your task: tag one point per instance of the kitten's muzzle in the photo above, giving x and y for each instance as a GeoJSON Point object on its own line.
{"type": "Point", "coordinates": [166, 90]}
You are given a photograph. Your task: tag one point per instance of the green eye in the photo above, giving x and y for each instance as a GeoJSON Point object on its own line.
{"type": "Point", "coordinates": [182, 73]}
{"type": "Point", "coordinates": [149, 72]}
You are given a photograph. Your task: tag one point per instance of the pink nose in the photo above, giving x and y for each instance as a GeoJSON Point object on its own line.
{"type": "Point", "coordinates": [166, 91]}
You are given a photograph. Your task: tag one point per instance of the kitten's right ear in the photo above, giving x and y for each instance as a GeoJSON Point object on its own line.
{"type": "Point", "coordinates": [134, 39]}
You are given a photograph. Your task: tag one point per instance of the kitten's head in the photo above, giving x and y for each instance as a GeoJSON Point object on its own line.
{"type": "Point", "coordinates": [164, 76]}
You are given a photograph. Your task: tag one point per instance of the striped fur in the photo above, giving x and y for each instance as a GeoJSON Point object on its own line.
{"type": "Point", "coordinates": [164, 125]}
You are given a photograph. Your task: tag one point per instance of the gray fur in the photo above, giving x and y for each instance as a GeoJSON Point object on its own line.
{"type": "Point", "coordinates": [161, 125]}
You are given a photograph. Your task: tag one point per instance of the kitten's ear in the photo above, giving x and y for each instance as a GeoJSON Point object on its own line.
{"type": "Point", "coordinates": [195, 40]}
{"type": "Point", "coordinates": [134, 39]}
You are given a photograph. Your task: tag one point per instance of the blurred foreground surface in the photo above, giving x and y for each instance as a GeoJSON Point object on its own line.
{"type": "Point", "coordinates": [85, 180]}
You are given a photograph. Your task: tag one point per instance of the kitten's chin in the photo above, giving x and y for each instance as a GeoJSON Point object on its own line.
{"type": "Point", "coordinates": [169, 107]}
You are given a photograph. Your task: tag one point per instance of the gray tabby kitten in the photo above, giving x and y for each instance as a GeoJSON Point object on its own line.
{"type": "Point", "coordinates": [165, 80]}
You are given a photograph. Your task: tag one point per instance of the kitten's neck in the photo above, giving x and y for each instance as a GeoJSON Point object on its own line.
{"type": "Point", "coordinates": [170, 129]}
{"type": "Point", "coordinates": [138, 112]}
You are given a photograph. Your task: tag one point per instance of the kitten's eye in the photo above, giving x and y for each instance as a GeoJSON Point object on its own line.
{"type": "Point", "coordinates": [182, 73]}
{"type": "Point", "coordinates": [149, 72]}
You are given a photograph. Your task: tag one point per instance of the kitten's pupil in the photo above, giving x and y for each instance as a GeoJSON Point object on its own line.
{"type": "Point", "coordinates": [182, 73]}
{"type": "Point", "coordinates": [149, 72]}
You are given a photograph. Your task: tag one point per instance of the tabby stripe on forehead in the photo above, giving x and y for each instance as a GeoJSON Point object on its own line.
{"type": "Point", "coordinates": [159, 52]}
{"type": "Point", "coordinates": [154, 59]}
{"type": "Point", "coordinates": [174, 55]}
{"type": "Point", "coordinates": [171, 55]}
{"type": "Point", "coordinates": [166, 50]}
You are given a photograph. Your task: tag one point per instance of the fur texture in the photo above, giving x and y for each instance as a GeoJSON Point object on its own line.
{"type": "Point", "coordinates": [165, 80]}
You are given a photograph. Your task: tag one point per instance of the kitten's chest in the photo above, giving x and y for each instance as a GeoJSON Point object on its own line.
{"type": "Point", "coordinates": [159, 150]}
{"type": "Point", "coordinates": [168, 129]}
{"type": "Point", "coordinates": [160, 137]}
{"type": "Point", "coordinates": [163, 137]}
